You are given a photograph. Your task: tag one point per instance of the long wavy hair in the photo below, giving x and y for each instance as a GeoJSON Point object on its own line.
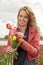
{"type": "Point", "coordinates": [31, 16]}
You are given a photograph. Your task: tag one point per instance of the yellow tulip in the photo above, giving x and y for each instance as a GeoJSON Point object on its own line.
{"type": "Point", "coordinates": [21, 40]}
{"type": "Point", "coordinates": [14, 38]}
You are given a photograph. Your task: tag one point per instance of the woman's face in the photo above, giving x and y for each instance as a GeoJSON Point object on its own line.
{"type": "Point", "coordinates": [22, 18]}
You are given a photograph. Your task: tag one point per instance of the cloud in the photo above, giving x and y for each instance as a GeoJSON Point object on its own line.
{"type": "Point", "coordinates": [10, 5]}
{"type": "Point", "coordinates": [39, 17]}
{"type": "Point", "coordinates": [9, 10]}
{"type": "Point", "coordinates": [32, 1]}
{"type": "Point", "coordinates": [13, 5]}
{"type": "Point", "coordinates": [2, 29]}
{"type": "Point", "coordinates": [4, 16]}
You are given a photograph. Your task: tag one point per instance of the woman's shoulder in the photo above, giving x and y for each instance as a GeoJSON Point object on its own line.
{"type": "Point", "coordinates": [35, 29]}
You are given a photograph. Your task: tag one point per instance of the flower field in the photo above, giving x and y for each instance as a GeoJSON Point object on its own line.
{"type": "Point", "coordinates": [39, 60]}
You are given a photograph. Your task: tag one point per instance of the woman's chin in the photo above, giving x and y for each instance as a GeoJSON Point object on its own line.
{"type": "Point", "coordinates": [22, 25]}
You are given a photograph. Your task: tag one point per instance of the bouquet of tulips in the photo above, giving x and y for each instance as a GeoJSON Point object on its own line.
{"type": "Point", "coordinates": [7, 58]}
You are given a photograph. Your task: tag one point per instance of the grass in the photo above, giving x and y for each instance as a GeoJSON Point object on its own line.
{"type": "Point", "coordinates": [3, 39]}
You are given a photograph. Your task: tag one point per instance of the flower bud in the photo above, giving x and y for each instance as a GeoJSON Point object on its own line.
{"type": "Point", "coordinates": [8, 26]}
{"type": "Point", "coordinates": [14, 38]}
{"type": "Point", "coordinates": [18, 29]}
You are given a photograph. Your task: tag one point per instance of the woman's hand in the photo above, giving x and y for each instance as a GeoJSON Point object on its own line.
{"type": "Point", "coordinates": [10, 49]}
{"type": "Point", "coordinates": [19, 34]}
{"type": "Point", "coordinates": [20, 37]}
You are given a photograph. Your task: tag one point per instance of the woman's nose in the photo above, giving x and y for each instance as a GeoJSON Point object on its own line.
{"type": "Point", "coordinates": [22, 18]}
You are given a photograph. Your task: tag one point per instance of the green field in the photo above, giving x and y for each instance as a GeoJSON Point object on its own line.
{"type": "Point", "coordinates": [3, 39]}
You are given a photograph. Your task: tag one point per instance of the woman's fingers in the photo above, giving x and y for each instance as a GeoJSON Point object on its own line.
{"type": "Point", "coordinates": [19, 34]}
{"type": "Point", "coordinates": [9, 49]}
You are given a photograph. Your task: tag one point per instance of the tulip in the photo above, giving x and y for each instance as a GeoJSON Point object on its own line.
{"type": "Point", "coordinates": [20, 40]}
{"type": "Point", "coordinates": [14, 38]}
{"type": "Point", "coordinates": [18, 29]}
{"type": "Point", "coordinates": [8, 26]}
{"type": "Point", "coordinates": [4, 51]}
{"type": "Point", "coordinates": [12, 31]}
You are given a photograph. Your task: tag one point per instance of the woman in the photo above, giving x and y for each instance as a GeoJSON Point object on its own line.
{"type": "Point", "coordinates": [29, 48]}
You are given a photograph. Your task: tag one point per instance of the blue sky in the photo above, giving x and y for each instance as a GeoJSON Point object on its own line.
{"type": "Point", "coordinates": [9, 10]}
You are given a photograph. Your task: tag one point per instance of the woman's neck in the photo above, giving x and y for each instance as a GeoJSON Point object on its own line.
{"type": "Point", "coordinates": [22, 29]}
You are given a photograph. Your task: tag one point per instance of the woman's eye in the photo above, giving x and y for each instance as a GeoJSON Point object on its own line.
{"type": "Point", "coordinates": [23, 16]}
{"type": "Point", "coordinates": [20, 15]}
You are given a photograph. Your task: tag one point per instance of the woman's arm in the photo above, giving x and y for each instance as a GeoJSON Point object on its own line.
{"type": "Point", "coordinates": [32, 47]}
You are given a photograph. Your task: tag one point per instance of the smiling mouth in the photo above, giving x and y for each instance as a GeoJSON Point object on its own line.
{"type": "Point", "coordinates": [22, 24]}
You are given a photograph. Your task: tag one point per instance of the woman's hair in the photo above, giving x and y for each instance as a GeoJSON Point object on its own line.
{"type": "Point", "coordinates": [31, 16]}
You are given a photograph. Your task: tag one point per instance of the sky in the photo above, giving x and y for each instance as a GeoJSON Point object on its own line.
{"type": "Point", "coordinates": [10, 8]}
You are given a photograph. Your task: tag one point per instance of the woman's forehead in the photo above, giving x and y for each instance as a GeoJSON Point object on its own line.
{"type": "Point", "coordinates": [23, 12]}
